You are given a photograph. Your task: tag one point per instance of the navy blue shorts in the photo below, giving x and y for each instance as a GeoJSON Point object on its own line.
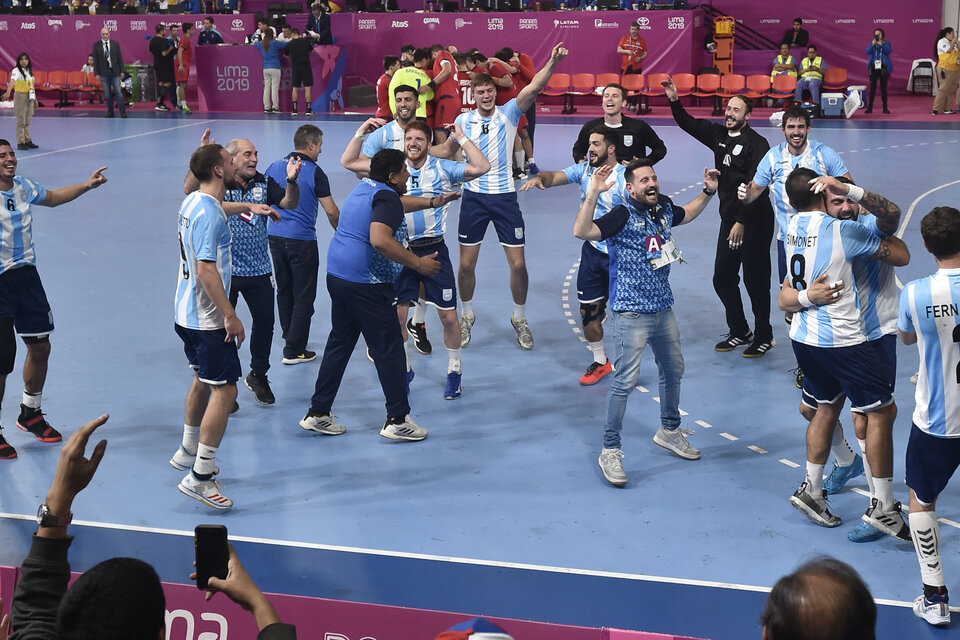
{"type": "Point", "coordinates": [855, 371]}
{"type": "Point", "coordinates": [440, 290]}
{"type": "Point", "coordinates": [22, 298]}
{"type": "Point", "coordinates": [593, 276]}
{"type": "Point", "coordinates": [931, 462]}
{"type": "Point", "coordinates": [478, 210]}
{"type": "Point", "coordinates": [781, 262]}
{"type": "Point", "coordinates": [215, 361]}
{"type": "Point", "coordinates": [886, 349]}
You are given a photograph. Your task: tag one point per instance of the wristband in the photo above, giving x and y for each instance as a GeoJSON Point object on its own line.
{"type": "Point", "coordinates": [855, 193]}
{"type": "Point", "coordinates": [292, 180]}
{"type": "Point", "coordinates": [462, 140]}
{"type": "Point", "coordinates": [432, 206]}
{"type": "Point", "coordinates": [708, 192]}
{"type": "Point", "coordinates": [803, 297]}
{"type": "Point", "coordinates": [360, 135]}
{"type": "Point", "coordinates": [432, 84]}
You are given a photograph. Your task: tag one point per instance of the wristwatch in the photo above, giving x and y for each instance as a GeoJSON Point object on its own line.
{"type": "Point", "coordinates": [708, 192]}
{"type": "Point", "coordinates": [293, 180]}
{"type": "Point", "coordinates": [47, 519]}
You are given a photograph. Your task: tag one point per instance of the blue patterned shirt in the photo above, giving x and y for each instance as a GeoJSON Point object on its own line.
{"type": "Point", "coordinates": [634, 234]}
{"type": "Point", "coordinates": [251, 254]}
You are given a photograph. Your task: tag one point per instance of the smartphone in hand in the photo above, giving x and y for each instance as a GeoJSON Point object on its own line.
{"type": "Point", "coordinates": [210, 544]}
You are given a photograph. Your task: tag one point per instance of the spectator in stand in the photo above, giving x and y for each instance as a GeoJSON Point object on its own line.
{"type": "Point", "coordinates": [319, 23]}
{"type": "Point", "coordinates": [811, 76]}
{"type": "Point", "coordinates": [390, 66]}
{"type": "Point", "coordinates": [209, 35]}
{"type": "Point", "coordinates": [298, 49]}
{"type": "Point", "coordinates": [270, 49]}
{"type": "Point", "coordinates": [182, 69]}
{"type": "Point", "coordinates": [231, 6]}
{"type": "Point", "coordinates": [118, 599]}
{"type": "Point", "coordinates": [948, 59]}
{"type": "Point", "coordinates": [24, 100]}
{"type": "Point", "coordinates": [879, 66]}
{"type": "Point", "coordinates": [797, 36]}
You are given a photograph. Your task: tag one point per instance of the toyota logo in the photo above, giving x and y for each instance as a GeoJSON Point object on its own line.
{"type": "Point", "coordinates": [643, 21]}
{"type": "Point", "coordinates": [237, 22]}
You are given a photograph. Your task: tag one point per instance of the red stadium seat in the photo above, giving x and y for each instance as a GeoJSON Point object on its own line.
{"type": "Point", "coordinates": [834, 79]}
{"type": "Point", "coordinates": [558, 86]}
{"type": "Point", "coordinates": [581, 84]}
{"type": "Point", "coordinates": [654, 89]}
{"type": "Point", "coordinates": [758, 86]}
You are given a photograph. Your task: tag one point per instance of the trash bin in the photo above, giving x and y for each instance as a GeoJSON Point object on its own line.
{"type": "Point", "coordinates": [145, 82]}
{"type": "Point", "coordinates": [131, 70]}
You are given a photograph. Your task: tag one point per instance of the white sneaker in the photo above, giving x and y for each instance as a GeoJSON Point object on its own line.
{"type": "Point", "coordinates": [675, 440]}
{"type": "Point", "coordinates": [466, 325]}
{"type": "Point", "coordinates": [183, 461]}
{"type": "Point", "coordinates": [407, 430]}
{"type": "Point", "coordinates": [936, 612]}
{"type": "Point", "coordinates": [524, 335]}
{"type": "Point", "coordinates": [206, 491]}
{"type": "Point", "coordinates": [611, 463]}
{"type": "Point", "coordinates": [322, 423]}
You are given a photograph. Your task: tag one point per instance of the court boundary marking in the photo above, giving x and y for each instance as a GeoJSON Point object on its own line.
{"type": "Point", "coordinates": [112, 140]}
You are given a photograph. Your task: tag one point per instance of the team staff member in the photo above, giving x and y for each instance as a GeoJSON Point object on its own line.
{"type": "Point", "coordinates": [593, 275]}
{"type": "Point", "coordinates": [745, 229]}
{"type": "Point", "coordinates": [107, 64]}
{"type": "Point", "coordinates": [252, 273]}
{"type": "Point", "coordinates": [24, 308]}
{"type": "Point", "coordinates": [365, 256]}
{"type": "Point", "coordinates": [635, 138]}
{"type": "Point", "coordinates": [639, 235]}
{"type": "Point", "coordinates": [928, 318]}
{"type": "Point", "coordinates": [293, 243]}
{"type": "Point", "coordinates": [634, 50]}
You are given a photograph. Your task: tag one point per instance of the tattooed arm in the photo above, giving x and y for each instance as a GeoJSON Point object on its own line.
{"type": "Point", "coordinates": [887, 212]}
{"type": "Point", "coordinates": [893, 251]}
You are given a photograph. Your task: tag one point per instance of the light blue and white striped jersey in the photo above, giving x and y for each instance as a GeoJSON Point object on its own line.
{"type": "Point", "coordinates": [581, 173]}
{"type": "Point", "coordinates": [930, 307]}
{"type": "Point", "coordinates": [494, 137]}
{"type": "Point", "coordinates": [204, 235]}
{"type": "Point", "coordinates": [818, 244]}
{"type": "Point", "coordinates": [16, 221]}
{"type": "Point", "coordinates": [779, 162]}
{"type": "Point", "coordinates": [389, 136]}
{"type": "Point", "coordinates": [877, 288]}
{"type": "Point", "coordinates": [436, 176]}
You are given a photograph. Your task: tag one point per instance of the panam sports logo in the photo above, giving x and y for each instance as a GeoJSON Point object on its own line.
{"type": "Point", "coordinates": [366, 24]}
{"type": "Point", "coordinates": [529, 23]}
{"type": "Point", "coordinates": [138, 25]}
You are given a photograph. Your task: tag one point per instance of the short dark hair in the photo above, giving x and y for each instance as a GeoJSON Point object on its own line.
{"type": "Point", "coordinates": [407, 48]}
{"type": "Point", "coordinates": [208, 19]}
{"type": "Point", "coordinates": [405, 88]}
{"type": "Point", "coordinates": [460, 58]}
{"type": "Point", "coordinates": [187, 26]}
{"type": "Point", "coordinates": [747, 102]}
{"type": "Point", "coordinates": [118, 599]}
{"type": "Point", "coordinates": [160, 28]}
{"type": "Point", "coordinates": [292, 30]}
{"type": "Point", "coordinates": [638, 163]}
{"type": "Point", "coordinates": [941, 232]}
{"type": "Point", "coordinates": [5, 143]}
{"type": "Point", "coordinates": [204, 160]}
{"type": "Point", "coordinates": [305, 135]}
{"type": "Point", "coordinates": [504, 54]}
{"type": "Point", "coordinates": [437, 48]}
{"type": "Point", "coordinates": [609, 135]}
{"type": "Point", "coordinates": [421, 54]}
{"type": "Point", "coordinates": [420, 125]}
{"type": "Point", "coordinates": [798, 189]}
{"type": "Point", "coordinates": [794, 112]}
{"type": "Point", "coordinates": [812, 46]}
{"type": "Point", "coordinates": [824, 599]}
{"type": "Point", "coordinates": [798, 20]}
{"type": "Point", "coordinates": [616, 85]}
{"type": "Point", "coordinates": [385, 162]}
{"type": "Point", "coordinates": [389, 61]}
{"type": "Point", "coordinates": [482, 80]}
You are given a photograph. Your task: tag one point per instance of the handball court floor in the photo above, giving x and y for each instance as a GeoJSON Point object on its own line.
{"type": "Point", "coordinates": [502, 511]}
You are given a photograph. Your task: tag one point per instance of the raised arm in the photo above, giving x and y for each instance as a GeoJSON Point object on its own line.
{"type": "Point", "coordinates": [63, 195]}
{"type": "Point", "coordinates": [886, 211]}
{"type": "Point", "coordinates": [528, 95]}
{"type": "Point", "coordinates": [477, 163]}
{"type": "Point", "coordinates": [693, 208]}
{"type": "Point", "coordinates": [584, 227]}
{"type": "Point", "coordinates": [352, 158]}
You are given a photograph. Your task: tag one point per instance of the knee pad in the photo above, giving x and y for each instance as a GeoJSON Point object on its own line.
{"type": "Point", "coordinates": [8, 346]}
{"type": "Point", "coordinates": [590, 311]}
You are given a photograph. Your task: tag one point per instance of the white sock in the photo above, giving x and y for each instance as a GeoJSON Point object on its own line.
{"type": "Point", "coordinates": [466, 308]}
{"type": "Point", "coordinates": [419, 311]}
{"type": "Point", "coordinates": [866, 466]}
{"type": "Point", "coordinates": [206, 460]}
{"type": "Point", "coordinates": [840, 448]}
{"type": "Point", "coordinates": [531, 160]}
{"type": "Point", "coordinates": [883, 492]}
{"type": "Point", "coordinates": [453, 360]}
{"type": "Point", "coordinates": [406, 351]}
{"type": "Point", "coordinates": [31, 400]}
{"type": "Point", "coordinates": [518, 159]}
{"type": "Point", "coordinates": [925, 531]}
{"type": "Point", "coordinates": [191, 437]}
{"type": "Point", "coordinates": [519, 311]}
{"type": "Point", "coordinates": [599, 355]}
{"type": "Point", "coordinates": [814, 479]}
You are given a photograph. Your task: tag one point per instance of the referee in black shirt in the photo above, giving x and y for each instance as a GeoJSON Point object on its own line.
{"type": "Point", "coordinates": [636, 136]}
{"type": "Point", "coordinates": [745, 230]}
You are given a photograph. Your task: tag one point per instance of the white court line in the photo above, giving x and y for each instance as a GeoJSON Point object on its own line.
{"type": "Point", "coordinates": [911, 209]}
{"type": "Point", "coordinates": [120, 139]}
{"type": "Point", "coordinates": [754, 447]}
{"type": "Point", "coordinates": [729, 436]}
{"type": "Point", "coordinates": [705, 425]}
{"type": "Point", "coordinates": [789, 463]}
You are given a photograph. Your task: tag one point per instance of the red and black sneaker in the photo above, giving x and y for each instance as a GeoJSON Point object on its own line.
{"type": "Point", "coordinates": [7, 452]}
{"type": "Point", "coordinates": [32, 420]}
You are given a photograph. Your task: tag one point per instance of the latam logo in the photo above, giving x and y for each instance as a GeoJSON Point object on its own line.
{"type": "Point", "coordinates": [884, 20]}
{"type": "Point", "coordinates": [494, 24]}
{"type": "Point", "coordinates": [400, 24]}
{"type": "Point", "coordinates": [567, 24]}
{"type": "Point", "coordinates": [138, 25]}
{"type": "Point", "coordinates": [600, 24]}
{"type": "Point", "coordinates": [846, 21]}
{"type": "Point", "coordinates": [769, 20]}
{"type": "Point", "coordinates": [923, 21]}
{"type": "Point", "coordinates": [529, 23]}
{"type": "Point", "coordinates": [460, 23]}
{"type": "Point", "coordinates": [80, 24]}
{"type": "Point", "coordinates": [28, 25]}
{"type": "Point", "coordinates": [366, 24]}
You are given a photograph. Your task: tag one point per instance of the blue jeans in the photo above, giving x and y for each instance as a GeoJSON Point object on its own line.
{"type": "Point", "coordinates": [631, 333]}
{"type": "Point", "coordinates": [111, 88]}
{"type": "Point", "coordinates": [813, 85]}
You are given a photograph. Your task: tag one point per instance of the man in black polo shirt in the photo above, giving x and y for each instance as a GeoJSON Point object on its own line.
{"type": "Point", "coordinates": [298, 49]}
{"type": "Point", "coordinates": [636, 136]}
{"type": "Point", "coordinates": [163, 54]}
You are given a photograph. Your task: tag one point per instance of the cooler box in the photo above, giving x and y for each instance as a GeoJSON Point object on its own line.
{"type": "Point", "coordinates": [831, 105]}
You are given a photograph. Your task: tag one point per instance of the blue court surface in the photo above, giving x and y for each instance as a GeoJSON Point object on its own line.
{"type": "Point", "coordinates": [502, 511]}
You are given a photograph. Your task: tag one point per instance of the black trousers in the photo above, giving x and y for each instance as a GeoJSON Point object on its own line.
{"type": "Point", "coordinates": [258, 294]}
{"type": "Point", "coordinates": [754, 256]}
{"type": "Point", "coordinates": [371, 310]}
{"type": "Point", "coordinates": [295, 266]}
{"type": "Point", "coordinates": [883, 76]}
